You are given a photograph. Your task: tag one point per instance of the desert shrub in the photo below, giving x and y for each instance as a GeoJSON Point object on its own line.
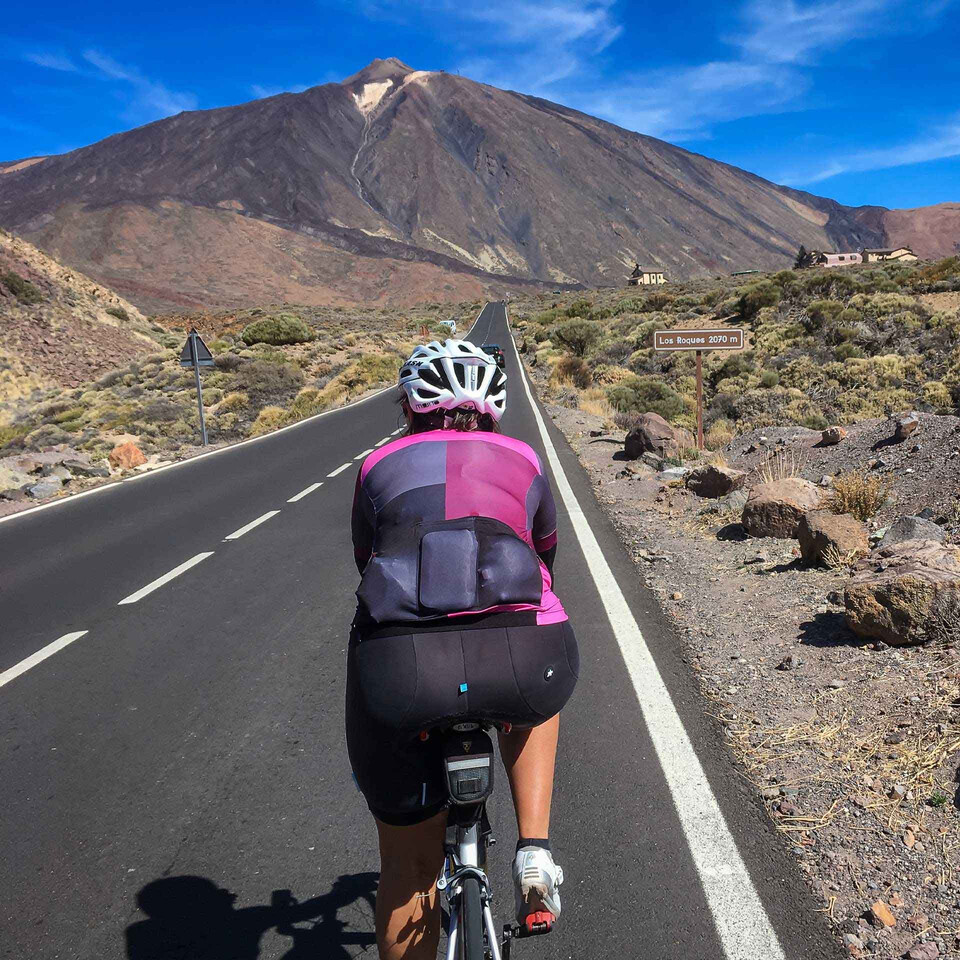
{"type": "Point", "coordinates": [614, 352]}
{"type": "Point", "coordinates": [24, 291]}
{"type": "Point", "coordinates": [12, 432]}
{"type": "Point", "coordinates": [269, 418]}
{"type": "Point", "coordinates": [848, 351]}
{"type": "Point", "coordinates": [577, 335]}
{"type": "Point", "coordinates": [119, 313]}
{"type": "Point", "coordinates": [859, 494]}
{"type": "Point", "coordinates": [233, 402]}
{"type": "Point", "coordinates": [307, 402]}
{"type": "Point", "coordinates": [160, 410]}
{"type": "Point", "coordinates": [821, 312]}
{"type": "Point", "coordinates": [720, 434]}
{"type": "Point", "coordinates": [261, 378]}
{"type": "Point", "coordinates": [736, 365]}
{"type": "Point", "coordinates": [573, 370]}
{"type": "Point", "coordinates": [937, 395]}
{"type": "Point", "coordinates": [655, 301]}
{"type": "Point", "coordinates": [645, 395]}
{"type": "Point", "coordinates": [784, 278]}
{"type": "Point", "coordinates": [579, 308]}
{"type": "Point", "coordinates": [276, 331]}
{"type": "Point", "coordinates": [757, 295]}
{"type": "Point", "coordinates": [769, 378]}
{"type": "Point", "coordinates": [228, 362]}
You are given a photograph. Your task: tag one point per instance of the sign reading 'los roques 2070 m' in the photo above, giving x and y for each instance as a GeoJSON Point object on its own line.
{"type": "Point", "coordinates": [668, 341]}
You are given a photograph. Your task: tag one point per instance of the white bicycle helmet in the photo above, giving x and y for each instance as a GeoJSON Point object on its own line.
{"type": "Point", "coordinates": [453, 375]}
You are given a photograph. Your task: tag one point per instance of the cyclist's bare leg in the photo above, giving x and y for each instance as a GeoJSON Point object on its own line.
{"type": "Point", "coordinates": [408, 915]}
{"type": "Point", "coordinates": [529, 757]}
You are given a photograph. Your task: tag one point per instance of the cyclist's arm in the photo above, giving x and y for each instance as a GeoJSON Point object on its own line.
{"type": "Point", "coordinates": [545, 524]}
{"type": "Point", "coordinates": [362, 525]}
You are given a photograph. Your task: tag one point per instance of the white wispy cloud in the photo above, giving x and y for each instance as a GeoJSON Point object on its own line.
{"type": "Point", "coordinates": [52, 61]}
{"type": "Point", "coordinates": [148, 99]}
{"type": "Point", "coordinates": [938, 143]}
{"type": "Point", "coordinates": [784, 31]}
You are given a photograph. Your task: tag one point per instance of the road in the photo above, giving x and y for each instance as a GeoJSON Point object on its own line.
{"type": "Point", "coordinates": [195, 730]}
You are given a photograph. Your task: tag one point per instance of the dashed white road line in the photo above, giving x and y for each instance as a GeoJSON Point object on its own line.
{"type": "Point", "coordinates": [340, 469]}
{"type": "Point", "coordinates": [395, 432]}
{"type": "Point", "coordinates": [743, 926]}
{"type": "Point", "coordinates": [48, 651]}
{"type": "Point", "coordinates": [387, 439]}
{"type": "Point", "coordinates": [166, 578]}
{"type": "Point", "coordinates": [360, 456]}
{"type": "Point", "coordinates": [247, 527]}
{"type": "Point", "coordinates": [303, 493]}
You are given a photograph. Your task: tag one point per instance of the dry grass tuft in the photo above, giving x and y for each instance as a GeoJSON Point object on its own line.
{"type": "Point", "coordinates": [783, 465]}
{"type": "Point", "coordinates": [859, 494]}
{"type": "Point", "coordinates": [838, 560]}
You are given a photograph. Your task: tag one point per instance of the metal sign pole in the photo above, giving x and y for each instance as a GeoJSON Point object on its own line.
{"type": "Point", "coordinates": [699, 399]}
{"type": "Point", "coordinates": [196, 370]}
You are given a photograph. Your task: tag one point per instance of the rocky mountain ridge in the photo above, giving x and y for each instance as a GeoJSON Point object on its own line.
{"type": "Point", "coordinates": [400, 184]}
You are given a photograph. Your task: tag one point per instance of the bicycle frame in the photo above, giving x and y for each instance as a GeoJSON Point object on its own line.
{"type": "Point", "coordinates": [463, 860]}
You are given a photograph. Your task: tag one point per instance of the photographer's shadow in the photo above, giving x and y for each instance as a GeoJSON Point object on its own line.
{"type": "Point", "coordinates": [191, 918]}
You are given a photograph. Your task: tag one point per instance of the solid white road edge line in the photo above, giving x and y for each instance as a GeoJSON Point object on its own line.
{"type": "Point", "coordinates": [340, 469]}
{"type": "Point", "coordinates": [48, 651]}
{"type": "Point", "coordinates": [166, 578]}
{"type": "Point", "coordinates": [303, 493]}
{"type": "Point", "coordinates": [360, 456]}
{"type": "Point", "coordinates": [742, 924]}
{"type": "Point", "coordinates": [247, 527]}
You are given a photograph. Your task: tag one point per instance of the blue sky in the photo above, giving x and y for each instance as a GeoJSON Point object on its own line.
{"type": "Point", "coordinates": [855, 100]}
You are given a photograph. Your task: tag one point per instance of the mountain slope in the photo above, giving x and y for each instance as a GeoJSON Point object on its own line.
{"type": "Point", "coordinates": [397, 184]}
{"type": "Point", "coordinates": [58, 328]}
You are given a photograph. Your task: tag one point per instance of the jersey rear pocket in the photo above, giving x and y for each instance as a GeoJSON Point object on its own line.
{"type": "Point", "coordinates": [448, 571]}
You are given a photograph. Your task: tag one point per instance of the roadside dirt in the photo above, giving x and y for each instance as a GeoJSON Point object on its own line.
{"type": "Point", "coordinates": [852, 746]}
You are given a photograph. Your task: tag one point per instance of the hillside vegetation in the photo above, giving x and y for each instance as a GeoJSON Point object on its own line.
{"type": "Point", "coordinates": [823, 347]}
{"type": "Point", "coordinates": [274, 366]}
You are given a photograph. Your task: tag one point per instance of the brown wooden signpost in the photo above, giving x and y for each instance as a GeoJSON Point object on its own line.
{"type": "Point", "coordinates": [669, 341]}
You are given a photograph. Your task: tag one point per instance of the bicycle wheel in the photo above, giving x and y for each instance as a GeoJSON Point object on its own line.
{"type": "Point", "coordinates": [471, 921]}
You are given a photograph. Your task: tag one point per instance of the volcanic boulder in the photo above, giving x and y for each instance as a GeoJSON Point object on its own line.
{"type": "Point", "coordinates": [653, 434]}
{"type": "Point", "coordinates": [906, 594]}
{"type": "Point", "coordinates": [714, 480]}
{"type": "Point", "coordinates": [824, 535]}
{"type": "Point", "coordinates": [775, 509]}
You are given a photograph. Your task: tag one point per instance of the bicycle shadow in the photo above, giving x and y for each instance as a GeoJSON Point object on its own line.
{"type": "Point", "coordinates": [191, 918]}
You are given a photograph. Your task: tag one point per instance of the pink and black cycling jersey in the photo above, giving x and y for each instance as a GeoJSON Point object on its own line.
{"type": "Point", "coordinates": [449, 525]}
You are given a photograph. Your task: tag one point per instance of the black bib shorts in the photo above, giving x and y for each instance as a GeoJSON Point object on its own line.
{"type": "Point", "coordinates": [400, 683]}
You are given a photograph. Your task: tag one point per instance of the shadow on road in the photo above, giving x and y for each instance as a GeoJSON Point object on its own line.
{"type": "Point", "coordinates": [191, 918]}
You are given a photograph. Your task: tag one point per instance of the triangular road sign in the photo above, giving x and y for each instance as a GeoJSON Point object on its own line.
{"type": "Point", "coordinates": [204, 356]}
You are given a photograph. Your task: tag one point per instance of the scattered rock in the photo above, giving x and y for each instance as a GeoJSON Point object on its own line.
{"type": "Point", "coordinates": [736, 500]}
{"type": "Point", "coordinates": [832, 436]}
{"type": "Point", "coordinates": [923, 951]}
{"type": "Point", "coordinates": [881, 915]}
{"type": "Point", "coordinates": [790, 662]}
{"type": "Point", "coordinates": [45, 488]}
{"type": "Point", "coordinates": [84, 469]}
{"type": "Point", "coordinates": [126, 456]}
{"type": "Point", "coordinates": [903, 594]}
{"type": "Point", "coordinates": [654, 435]}
{"type": "Point", "coordinates": [676, 596]}
{"type": "Point", "coordinates": [674, 473]}
{"type": "Point", "coordinates": [14, 495]}
{"type": "Point", "coordinates": [912, 528]}
{"type": "Point", "coordinates": [59, 471]}
{"type": "Point", "coordinates": [823, 533]}
{"type": "Point", "coordinates": [714, 481]}
{"type": "Point", "coordinates": [906, 426]}
{"type": "Point", "coordinates": [775, 509]}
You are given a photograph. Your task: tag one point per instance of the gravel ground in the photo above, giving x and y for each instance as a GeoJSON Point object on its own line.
{"type": "Point", "coordinates": [852, 746]}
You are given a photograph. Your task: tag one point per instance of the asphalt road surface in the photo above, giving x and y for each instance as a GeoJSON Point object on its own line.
{"type": "Point", "coordinates": [174, 770]}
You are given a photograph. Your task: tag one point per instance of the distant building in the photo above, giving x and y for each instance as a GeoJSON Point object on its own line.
{"type": "Point", "coordinates": [903, 254]}
{"type": "Point", "coordinates": [837, 259]}
{"type": "Point", "coordinates": [645, 278]}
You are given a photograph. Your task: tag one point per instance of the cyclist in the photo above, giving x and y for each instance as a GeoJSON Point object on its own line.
{"type": "Point", "coordinates": [454, 530]}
